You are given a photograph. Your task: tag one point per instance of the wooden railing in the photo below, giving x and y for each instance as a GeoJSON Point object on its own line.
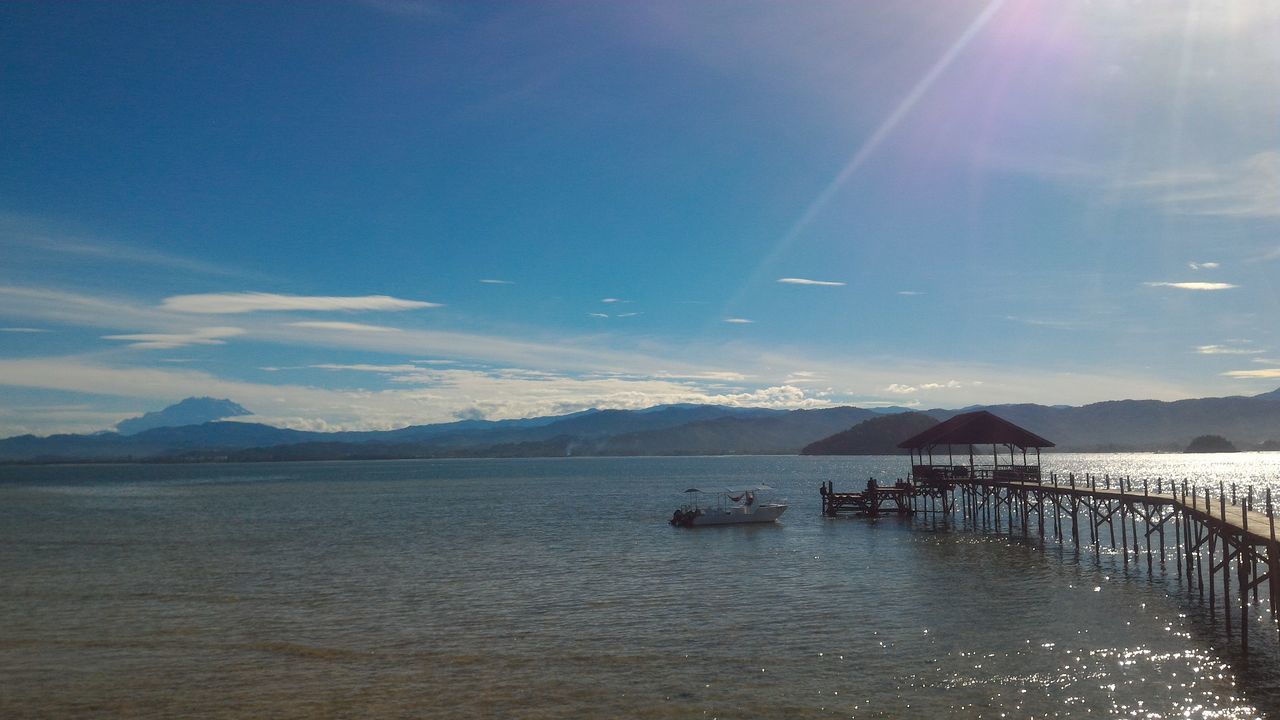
{"type": "Point", "coordinates": [944, 474]}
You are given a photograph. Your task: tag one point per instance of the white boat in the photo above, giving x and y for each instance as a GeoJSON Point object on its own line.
{"type": "Point", "coordinates": [727, 506]}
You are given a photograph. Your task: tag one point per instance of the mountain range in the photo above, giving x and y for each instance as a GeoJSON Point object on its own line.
{"type": "Point", "coordinates": [1122, 425]}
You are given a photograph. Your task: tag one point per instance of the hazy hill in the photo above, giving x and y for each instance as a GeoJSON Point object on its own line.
{"type": "Point", "coordinates": [1274, 395]}
{"type": "Point", "coordinates": [877, 436]}
{"type": "Point", "coordinates": [148, 443]}
{"type": "Point", "coordinates": [664, 430]}
{"type": "Point", "coordinates": [1145, 424]}
{"type": "Point", "coordinates": [191, 411]}
{"type": "Point", "coordinates": [778, 432]}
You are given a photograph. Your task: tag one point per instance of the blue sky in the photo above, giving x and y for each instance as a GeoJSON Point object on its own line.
{"type": "Point", "coordinates": [372, 214]}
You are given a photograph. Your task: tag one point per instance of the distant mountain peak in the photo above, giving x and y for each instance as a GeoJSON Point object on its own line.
{"type": "Point", "coordinates": [191, 411]}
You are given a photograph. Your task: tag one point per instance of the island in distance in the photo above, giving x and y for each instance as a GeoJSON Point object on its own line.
{"type": "Point", "coordinates": [219, 430]}
{"type": "Point", "coordinates": [1211, 444]}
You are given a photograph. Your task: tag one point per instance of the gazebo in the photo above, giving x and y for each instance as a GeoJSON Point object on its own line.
{"type": "Point", "coordinates": [934, 470]}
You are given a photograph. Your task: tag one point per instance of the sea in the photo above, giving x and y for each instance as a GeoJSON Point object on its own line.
{"type": "Point", "coordinates": [556, 588]}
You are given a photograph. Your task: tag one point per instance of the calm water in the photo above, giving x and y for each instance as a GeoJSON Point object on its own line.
{"type": "Point", "coordinates": [555, 588]}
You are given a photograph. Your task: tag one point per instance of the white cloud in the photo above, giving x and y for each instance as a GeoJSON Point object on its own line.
{"type": "Point", "coordinates": [1267, 361]}
{"type": "Point", "coordinates": [1225, 350]}
{"type": "Point", "coordinates": [344, 326]}
{"type": "Point", "coordinates": [169, 341]}
{"type": "Point", "coordinates": [909, 292]}
{"type": "Point", "coordinates": [420, 393]}
{"type": "Point", "coordinates": [612, 300]}
{"type": "Point", "coordinates": [739, 321]}
{"type": "Point", "coordinates": [598, 315]}
{"type": "Point", "coordinates": [1203, 265]}
{"type": "Point", "coordinates": [424, 395]}
{"type": "Point", "coordinates": [1193, 285]}
{"type": "Point", "coordinates": [490, 281]}
{"type": "Point", "coordinates": [806, 281]}
{"type": "Point", "coordinates": [23, 330]}
{"type": "Point", "coordinates": [901, 389]}
{"type": "Point", "coordinates": [629, 314]}
{"type": "Point", "coordinates": [246, 302]}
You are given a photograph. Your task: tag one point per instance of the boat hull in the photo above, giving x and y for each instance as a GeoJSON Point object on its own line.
{"type": "Point", "coordinates": [739, 515]}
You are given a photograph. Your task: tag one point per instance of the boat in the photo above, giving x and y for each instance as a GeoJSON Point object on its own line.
{"type": "Point", "coordinates": [726, 506]}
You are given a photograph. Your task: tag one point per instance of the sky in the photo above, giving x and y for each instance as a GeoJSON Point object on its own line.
{"type": "Point", "coordinates": [376, 213]}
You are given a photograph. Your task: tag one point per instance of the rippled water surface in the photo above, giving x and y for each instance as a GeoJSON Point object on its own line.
{"type": "Point", "coordinates": [556, 588]}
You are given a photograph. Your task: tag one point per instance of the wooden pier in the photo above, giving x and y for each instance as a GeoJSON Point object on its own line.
{"type": "Point", "coordinates": [1224, 538]}
{"type": "Point", "coordinates": [874, 500]}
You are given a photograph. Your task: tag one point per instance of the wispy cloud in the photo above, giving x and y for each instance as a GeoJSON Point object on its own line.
{"type": "Point", "coordinates": [169, 341]}
{"type": "Point", "coordinates": [1244, 188]}
{"type": "Point", "coordinates": [490, 281]}
{"type": "Point", "coordinates": [52, 242]}
{"type": "Point", "coordinates": [368, 367]}
{"type": "Point", "coordinates": [807, 281]}
{"type": "Point", "coordinates": [629, 314]}
{"type": "Point", "coordinates": [900, 389]}
{"type": "Point", "coordinates": [1245, 374]}
{"type": "Point", "coordinates": [910, 292]}
{"type": "Point", "coordinates": [119, 315]}
{"type": "Point", "coordinates": [1042, 322]}
{"type": "Point", "coordinates": [598, 315]}
{"type": "Point", "coordinates": [1203, 265]}
{"type": "Point", "coordinates": [1225, 350]}
{"type": "Point", "coordinates": [739, 321]}
{"type": "Point", "coordinates": [57, 306]}
{"type": "Point", "coordinates": [717, 375]}
{"type": "Point", "coordinates": [803, 377]}
{"type": "Point", "coordinates": [613, 300]}
{"type": "Point", "coordinates": [24, 330]}
{"type": "Point", "coordinates": [343, 326]}
{"type": "Point", "coordinates": [1193, 285]}
{"type": "Point", "coordinates": [247, 302]}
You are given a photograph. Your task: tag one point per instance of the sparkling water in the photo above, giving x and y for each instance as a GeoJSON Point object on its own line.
{"type": "Point", "coordinates": [556, 588]}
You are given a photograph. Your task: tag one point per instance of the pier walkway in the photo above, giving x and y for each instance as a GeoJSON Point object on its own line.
{"type": "Point", "coordinates": [1224, 537]}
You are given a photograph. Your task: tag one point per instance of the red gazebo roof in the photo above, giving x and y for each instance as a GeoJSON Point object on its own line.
{"type": "Point", "coordinates": [976, 428]}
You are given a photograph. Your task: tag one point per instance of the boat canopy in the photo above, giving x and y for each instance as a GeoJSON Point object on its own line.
{"type": "Point", "coordinates": [744, 488]}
